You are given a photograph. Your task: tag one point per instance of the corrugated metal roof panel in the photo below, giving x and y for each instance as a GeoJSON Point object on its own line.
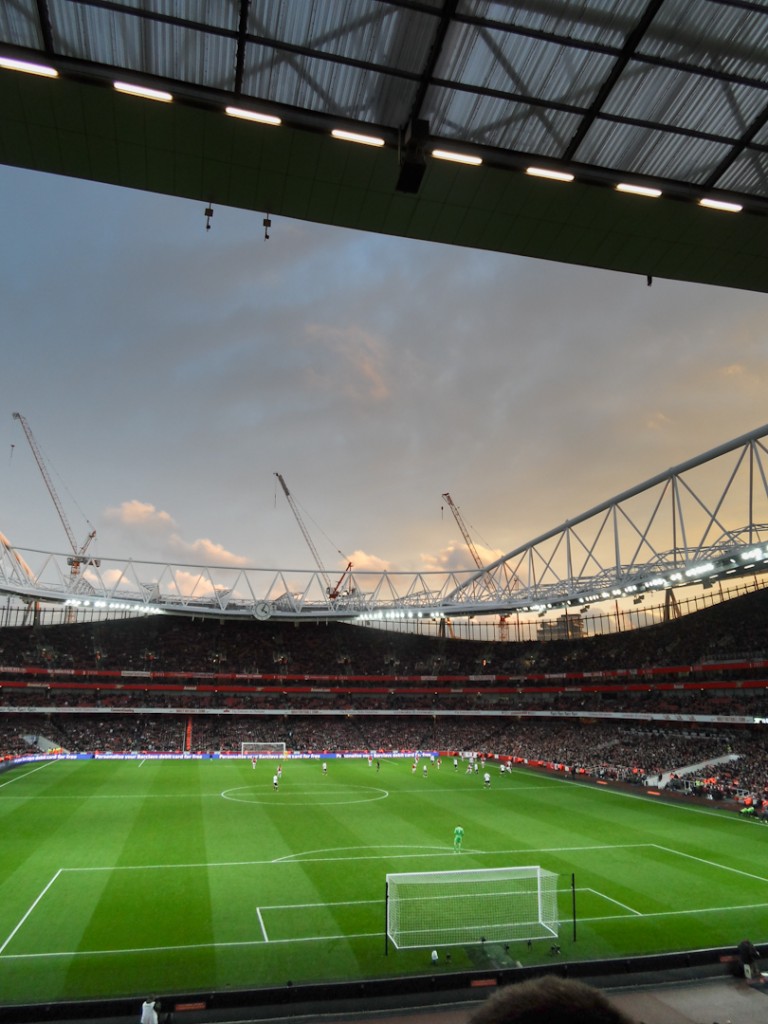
{"type": "Point", "coordinates": [127, 41]}
{"type": "Point", "coordinates": [728, 39]}
{"type": "Point", "coordinates": [748, 173]}
{"type": "Point", "coordinates": [224, 15]}
{"type": "Point", "coordinates": [518, 77]}
{"type": "Point", "coordinates": [362, 30]}
{"type": "Point", "coordinates": [671, 97]}
{"type": "Point", "coordinates": [20, 23]}
{"type": "Point", "coordinates": [495, 60]}
{"type": "Point", "coordinates": [648, 151]}
{"type": "Point", "coordinates": [605, 21]}
{"type": "Point", "coordinates": [501, 123]}
{"type": "Point", "coordinates": [323, 86]}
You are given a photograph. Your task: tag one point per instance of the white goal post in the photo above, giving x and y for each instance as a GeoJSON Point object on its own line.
{"type": "Point", "coordinates": [441, 908]}
{"type": "Point", "coordinates": [268, 750]}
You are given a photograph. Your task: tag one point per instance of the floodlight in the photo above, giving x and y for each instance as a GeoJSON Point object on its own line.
{"type": "Point", "coordinates": [456, 158]}
{"type": "Point", "coordinates": [363, 140]}
{"type": "Point", "coordinates": [143, 92]}
{"type": "Point", "coordinates": [720, 204]}
{"type": "Point", "coordinates": [253, 115]}
{"type": "Point", "coordinates": [10, 64]}
{"type": "Point", "coordinates": [638, 190]}
{"type": "Point", "coordinates": [545, 172]}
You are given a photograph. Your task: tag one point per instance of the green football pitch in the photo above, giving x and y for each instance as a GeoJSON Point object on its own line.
{"type": "Point", "coordinates": [121, 878]}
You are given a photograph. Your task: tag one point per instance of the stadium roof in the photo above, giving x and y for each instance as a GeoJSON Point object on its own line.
{"type": "Point", "coordinates": [669, 95]}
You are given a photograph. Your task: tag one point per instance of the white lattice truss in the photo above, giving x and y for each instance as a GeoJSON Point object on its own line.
{"type": "Point", "coordinates": [703, 521]}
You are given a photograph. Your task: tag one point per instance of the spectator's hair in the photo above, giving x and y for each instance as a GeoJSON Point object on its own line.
{"type": "Point", "coordinates": [549, 1000]}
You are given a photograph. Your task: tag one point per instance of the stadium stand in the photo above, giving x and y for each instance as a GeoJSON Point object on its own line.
{"type": "Point", "coordinates": [640, 707]}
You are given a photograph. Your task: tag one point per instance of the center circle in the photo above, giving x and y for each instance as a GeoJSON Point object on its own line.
{"type": "Point", "coordinates": [306, 795]}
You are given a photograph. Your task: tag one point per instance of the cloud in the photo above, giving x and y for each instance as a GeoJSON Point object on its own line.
{"type": "Point", "coordinates": [358, 363]}
{"type": "Point", "coordinates": [188, 584]}
{"type": "Point", "coordinates": [363, 562]}
{"type": "Point", "coordinates": [204, 551]}
{"type": "Point", "coordinates": [658, 421]}
{"type": "Point", "coordinates": [142, 520]}
{"type": "Point", "coordinates": [375, 371]}
{"type": "Point", "coordinates": [140, 515]}
{"type": "Point", "coordinates": [457, 557]}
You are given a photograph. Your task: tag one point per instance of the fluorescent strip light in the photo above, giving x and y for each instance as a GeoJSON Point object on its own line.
{"type": "Point", "coordinates": [143, 92]}
{"type": "Point", "coordinates": [364, 140]}
{"type": "Point", "coordinates": [543, 172]}
{"type": "Point", "coordinates": [638, 190]}
{"type": "Point", "coordinates": [252, 115]}
{"type": "Point", "coordinates": [720, 204]}
{"type": "Point", "coordinates": [31, 69]}
{"type": "Point", "coordinates": [457, 158]}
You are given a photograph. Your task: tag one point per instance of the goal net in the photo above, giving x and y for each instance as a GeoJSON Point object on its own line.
{"type": "Point", "coordinates": [262, 749]}
{"type": "Point", "coordinates": [440, 908]}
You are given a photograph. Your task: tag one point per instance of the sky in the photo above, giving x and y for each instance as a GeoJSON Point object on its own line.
{"type": "Point", "coordinates": [168, 371]}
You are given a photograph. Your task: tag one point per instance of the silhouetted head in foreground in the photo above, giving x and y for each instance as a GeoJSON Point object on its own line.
{"type": "Point", "coordinates": [549, 1000]}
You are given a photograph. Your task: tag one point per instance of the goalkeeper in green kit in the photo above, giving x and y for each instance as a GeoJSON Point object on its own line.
{"type": "Point", "coordinates": [458, 835]}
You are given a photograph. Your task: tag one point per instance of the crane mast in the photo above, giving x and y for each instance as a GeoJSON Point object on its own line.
{"type": "Point", "coordinates": [503, 619]}
{"type": "Point", "coordinates": [331, 589]}
{"type": "Point", "coordinates": [78, 553]}
{"type": "Point", "coordinates": [464, 531]}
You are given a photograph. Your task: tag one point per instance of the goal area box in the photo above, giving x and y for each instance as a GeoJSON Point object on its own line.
{"type": "Point", "coordinates": [267, 750]}
{"type": "Point", "coordinates": [442, 908]}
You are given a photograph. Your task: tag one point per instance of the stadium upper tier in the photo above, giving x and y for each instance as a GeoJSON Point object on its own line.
{"type": "Point", "coordinates": [702, 522]}
{"type": "Point", "coordinates": [631, 136]}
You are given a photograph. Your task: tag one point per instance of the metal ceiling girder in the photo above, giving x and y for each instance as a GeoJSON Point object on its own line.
{"type": "Point", "coordinates": [666, 242]}
{"type": "Point", "coordinates": [541, 562]}
{"type": "Point", "coordinates": [673, 554]}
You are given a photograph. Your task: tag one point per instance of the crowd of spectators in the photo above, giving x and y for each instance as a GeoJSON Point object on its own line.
{"type": "Point", "coordinates": [618, 700]}
{"type": "Point", "coordinates": [720, 633]}
{"type": "Point", "coordinates": [115, 686]}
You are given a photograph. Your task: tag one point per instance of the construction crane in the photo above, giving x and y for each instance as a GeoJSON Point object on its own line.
{"type": "Point", "coordinates": [78, 553]}
{"type": "Point", "coordinates": [464, 531]}
{"type": "Point", "coordinates": [503, 619]}
{"type": "Point", "coordinates": [331, 589]}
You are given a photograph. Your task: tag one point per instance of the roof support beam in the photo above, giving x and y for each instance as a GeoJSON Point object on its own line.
{"type": "Point", "coordinates": [242, 30]}
{"type": "Point", "coordinates": [44, 17]}
{"type": "Point", "coordinates": [425, 78]}
{"type": "Point", "coordinates": [627, 53]}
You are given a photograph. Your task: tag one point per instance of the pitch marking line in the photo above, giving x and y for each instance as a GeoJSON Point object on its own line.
{"type": "Point", "coordinates": [29, 911]}
{"type": "Point", "coordinates": [309, 856]}
{"type": "Point", "coordinates": [610, 899]}
{"type": "Point", "coordinates": [711, 863]}
{"type": "Point", "coordinates": [18, 778]}
{"type": "Point", "coordinates": [306, 795]}
{"type": "Point", "coordinates": [327, 938]}
{"type": "Point", "coordinates": [676, 913]}
{"type": "Point", "coordinates": [307, 906]}
{"type": "Point", "coordinates": [192, 945]}
{"type": "Point", "coordinates": [289, 859]}
{"type": "Point", "coordinates": [432, 851]}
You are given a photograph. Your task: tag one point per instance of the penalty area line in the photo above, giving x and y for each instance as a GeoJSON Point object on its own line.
{"type": "Point", "coordinates": [29, 911]}
{"type": "Point", "coordinates": [192, 945]}
{"type": "Point", "coordinates": [610, 899]}
{"type": "Point", "coordinates": [711, 863]}
{"type": "Point", "coordinates": [676, 913]}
